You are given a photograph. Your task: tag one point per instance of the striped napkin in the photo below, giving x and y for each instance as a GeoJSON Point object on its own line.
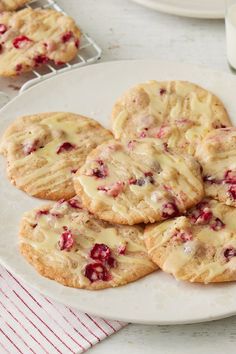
{"type": "Point", "coordinates": [32, 323]}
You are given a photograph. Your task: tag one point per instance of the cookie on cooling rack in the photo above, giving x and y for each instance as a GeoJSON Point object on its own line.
{"type": "Point", "coordinates": [67, 244]}
{"type": "Point", "coordinates": [138, 181]}
{"type": "Point", "coordinates": [178, 113]}
{"type": "Point", "coordinates": [30, 38]}
{"type": "Point", "coordinates": [10, 5]}
{"type": "Point", "coordinates": [198, 247]}
{"type": "Point", "coordinates": [44, 151]}
{"type": "Point", "coordinates": [217, 155]}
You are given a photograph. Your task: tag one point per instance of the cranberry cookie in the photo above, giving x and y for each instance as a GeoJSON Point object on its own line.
{"type": "Point", "coordinates": [67, 244]}
{"type": "Point", "coordinates": [198, 247]}
{"type": "Point", "coordinates": [44, 151]}
{"type": "Point", "coordinates": [138, 181]}
{"type": "Point", "coordinates": [10, 5]}
{"type": "Point", "coordinates": [177, 113]}
{"type": "Point", "coordinates": [30, 38]}
{"type": "Point", "coordinates": [217, 155]}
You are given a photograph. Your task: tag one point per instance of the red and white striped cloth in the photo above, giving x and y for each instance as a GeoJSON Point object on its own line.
{"type": "Point", "coordinates": [32, 323]}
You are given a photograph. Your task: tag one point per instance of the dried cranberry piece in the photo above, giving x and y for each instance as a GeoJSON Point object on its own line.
{"type": "Point", "coordinates": [67, 36]}
{"type": "Point", "coordinates": [230, 177]}
{"type": "Point", "coordinates": [162, 91]}
{"type": "Point", "coordinates": [74, 170]}
{"type": "Point", "coordinates": [132, 181]}
{"type": "Point", "coordinates": [74, 203]}
{"type": "Point", "coordinates": [100, 252]}
{"type": "Point", "coordinates": [122, 249]}
{"type": "Point", "coordinates": [3, 28]}
{"type": "Point", "coordinates": [30, 147]}
{"type": "Point", "coordinates": [204, 217]}
{"type": "Point", "coordinates": [21, 41]}
{"type": "Point", "coordinates": [229, 253]}
{"type": "Point", "coordinates": [40, 59]}
{"type": "Point", "coordinates": [111, 262]}
{"type": "Point", "coordinates": [101, 171]}
{"type": "Point", "coordinates": [96, 271]}
{"type": "Point", "coordinates": [41, 212]}
{"type": "Point", "coordinates": [232, 191]}
{"type": "Point", "coordinates": [217, 225]}
{"type": "Point", "coordinates": [169, 210]}
{"type": "Point", "coordinates": [114, 190]}
{"type": "Point", "coordinates": [59, 63]}
{"type": "Point", "coordinates": [19, 67]}
{"type": "Point", "coordinates": [65, 147]}
{"type": "Point", "coordinates": [142, 135]}
{"type": "Point", "coordinates": [183, 236]}
{"type": "Point", "coordinates": [165, 146]}
{"type": "Point", "coordinates": [66, 241]}
{"type": "Point", "coordinates": [77, 42]}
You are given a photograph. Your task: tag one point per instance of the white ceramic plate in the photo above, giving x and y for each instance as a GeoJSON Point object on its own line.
{"type": "Point", "coordinates": [189, 8]}
{"type": "Point", "coordinates": [158, 298]}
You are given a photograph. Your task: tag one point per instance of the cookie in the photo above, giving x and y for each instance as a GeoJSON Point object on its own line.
{"type": "Point", "coordinates": [10, 5]}
{"type": "Point", "coordinates": [30, 38]}
{"type": "Point", "coordinates": [217, 155]}
{"type": "Point", "coordinates": [138, 181]}
{"type": "Point", "coordinates": [44, 151]}
{"type": "Point", "coordinates": [177, 113]}
{"type": "Point", "coordinates": [66, 243]}
{"type": "Point", "coordinates": [198, 247]}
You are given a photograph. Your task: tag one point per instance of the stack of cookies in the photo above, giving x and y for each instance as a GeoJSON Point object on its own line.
{"type": "Point", "coordinates": [158, 193]}
{"type": "Point", "coordinates": [30, 38]}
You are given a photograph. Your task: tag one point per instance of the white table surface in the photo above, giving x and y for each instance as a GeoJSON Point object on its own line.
{"type": "Point", "coordinates": [126, 30]}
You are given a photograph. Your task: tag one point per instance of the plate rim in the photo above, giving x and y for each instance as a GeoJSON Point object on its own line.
{"type": "Point", "coordinates": [184, 12]}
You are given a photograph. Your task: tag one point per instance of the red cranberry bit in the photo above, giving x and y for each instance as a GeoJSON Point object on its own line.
{"type": "Point", "coordinates": [18, 67]}
{"type": "Point", "coordinates": [204, 217]}
{"type": "Point", "coordinates": [3, 28]}
{"type": "Point", "coordinates": [100, 252]}
{"type": "Point", "coordinates": [114, 190]}
{"type": "Point", "coordinates": [229, 253]}
{"type": "Point", "coordinates": [183, 236]}
{"type": "Point", "coordinates": [40, 59]}
{"type": "Point", "coordinates": [74, 170]}
{"type": "Point", "coordinates": [41, 212]}
{"type": "Point", "coordinates": [142, 135]}
{"type": "Point", "coordinates": [122, 249]}
{"type": "Point", "coordinates": [111, 262]}
{"type": "Point", "coordinates": [66, 241]}
{"type": "Point", "coordinates": [21, 41]}
{"type": "Point", "coordinates": [30, 147]}
{"type": "Point", "coordinates": [161, 133]}
{"type": "Point", "coordinates": [77, 43]}
{"type": "Point", "coordinates": [132, 181]}
{"type": "Point", "coordinates": [162, 91]}
{"type": "Point", "coordinates": [230, 177]}
{"type": "Point", "coordinates": [169, 210]}
{"type": "Point", "coordinates": [65, 147]}
{"type": "Point", "coordinates": [74, 203]}
{"type": "Point", "coordinates": [59, 63]}
{"type": "Point", "coordinates": [67, 36]}
{"type": "Point", "coordinates": [217, 225]}
{"type": "Point", "coordinates": [1, 48]}
{"type": "Point", "coordinates": [232, 192]}
{"type": "Point", "coordinates": [101, 171]}
{"type": "Point", "coordinates": [96, 271]}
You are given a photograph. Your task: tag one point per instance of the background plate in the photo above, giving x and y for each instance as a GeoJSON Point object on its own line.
{"type": "Point", "coordinates": [158, 298]}
{"type": "Point", "coordinates": [189, 8]}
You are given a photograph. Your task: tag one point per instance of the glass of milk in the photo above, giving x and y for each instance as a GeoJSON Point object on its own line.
{"type": "Point", "coordinates": [230, 26]}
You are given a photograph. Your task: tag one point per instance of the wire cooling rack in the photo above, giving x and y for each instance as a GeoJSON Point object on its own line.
{"type": "Point", "coordinates": [89, 52]}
